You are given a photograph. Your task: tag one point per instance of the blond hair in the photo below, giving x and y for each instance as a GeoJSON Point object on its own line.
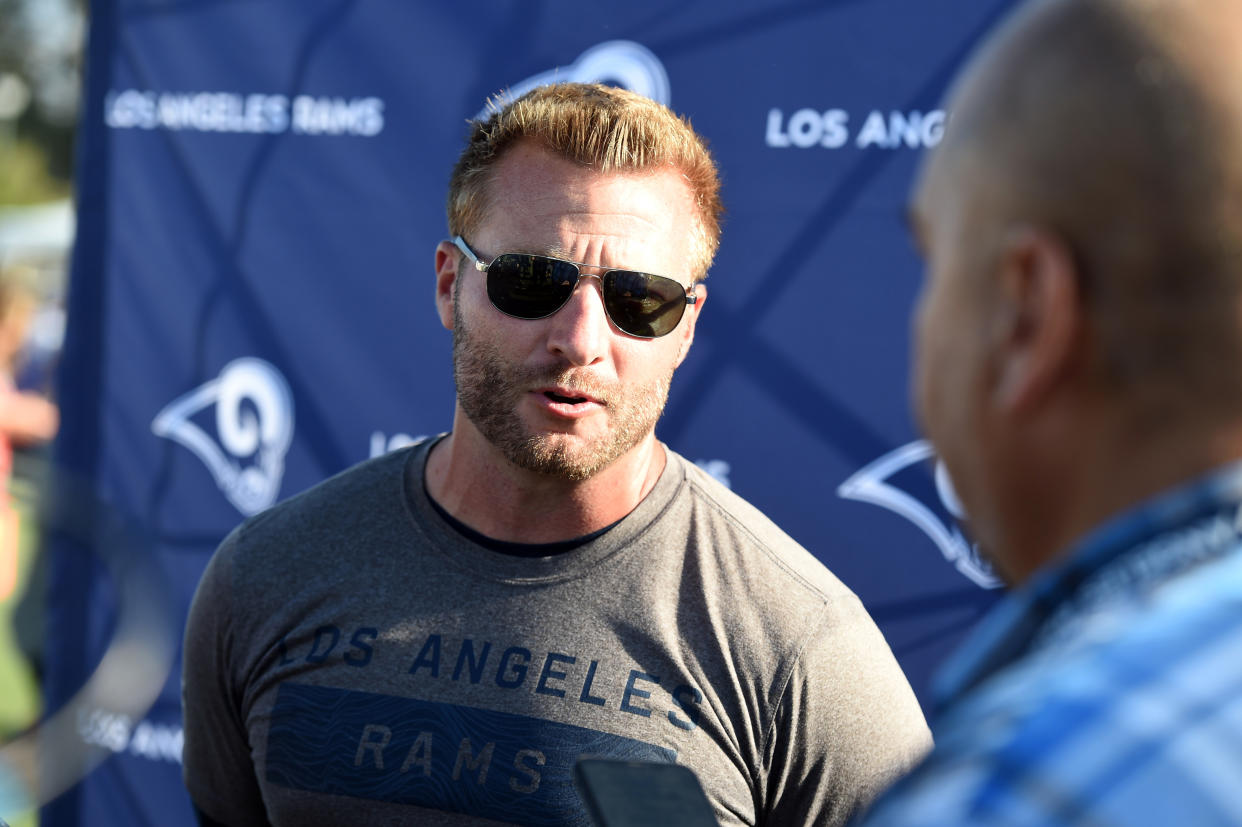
{"type": "Point", "coordinates": [609, 129]}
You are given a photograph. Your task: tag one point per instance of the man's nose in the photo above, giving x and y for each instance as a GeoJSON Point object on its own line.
{"type": "Point", "coordinates": [579, 332]}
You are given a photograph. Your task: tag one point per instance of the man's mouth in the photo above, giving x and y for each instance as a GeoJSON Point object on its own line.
{"type": "Point", "coordinates": [568, 396]}
{"type": "Point", "coordinates": [569, 400]}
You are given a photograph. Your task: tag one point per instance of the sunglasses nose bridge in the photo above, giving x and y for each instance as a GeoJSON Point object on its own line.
{"type": "Point", "coordinates": [599, 277]}
{"type": "Point", "coordinates": [579, 329]}
{"type": "Point", "coordinates": [599, 287]}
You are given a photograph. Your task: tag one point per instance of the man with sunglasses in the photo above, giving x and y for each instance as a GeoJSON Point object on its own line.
{"type": "Point", "coordinates": [547, 581]}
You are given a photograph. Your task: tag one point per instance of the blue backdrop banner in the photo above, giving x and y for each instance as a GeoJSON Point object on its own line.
{"type": "Point", "coordinates": [251, 308]}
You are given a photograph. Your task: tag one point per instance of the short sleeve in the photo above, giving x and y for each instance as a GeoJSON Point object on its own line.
{"type": "Point", "coordinates": [216, 759]}
{"type": "Point", "coordinates": [848, 723]}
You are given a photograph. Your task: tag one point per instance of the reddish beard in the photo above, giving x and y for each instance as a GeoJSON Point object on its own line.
{"type": "Point", "coordinates": [490, 389]}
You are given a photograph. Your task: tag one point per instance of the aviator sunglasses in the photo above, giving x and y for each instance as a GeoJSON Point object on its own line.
{"type": "Point", "coordinates": [527, 286]}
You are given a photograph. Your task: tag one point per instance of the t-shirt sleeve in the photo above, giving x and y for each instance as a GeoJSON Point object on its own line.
{"type": "Point", "coordinates": [216, 759]}
{"type": "Point", "coordinates": [847, 725]}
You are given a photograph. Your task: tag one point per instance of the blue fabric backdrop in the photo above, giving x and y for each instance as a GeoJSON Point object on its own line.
{"type": "Point", "coordinates": [261, 189]}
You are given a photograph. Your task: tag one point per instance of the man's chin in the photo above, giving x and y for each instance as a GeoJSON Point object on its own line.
{"type": "Point", "coordinates": [565, 456]}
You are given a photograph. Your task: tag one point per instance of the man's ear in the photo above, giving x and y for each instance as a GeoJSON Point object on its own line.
{"type": "Point", "coordinates": [688, 322]}
{"type": "Point", "coordinates": [1040, 319]}
{"type": "Point", "coordinates": [447, 259]}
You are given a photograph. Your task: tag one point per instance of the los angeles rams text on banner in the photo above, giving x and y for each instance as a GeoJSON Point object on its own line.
{"type": "Point", "coordinates": [233, 112]}
{"type": "Point", "coordinates": [830, 129]}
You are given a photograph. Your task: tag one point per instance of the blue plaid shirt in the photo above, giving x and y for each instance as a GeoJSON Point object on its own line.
{"type": "Point", "coordinates": [1105, 691]}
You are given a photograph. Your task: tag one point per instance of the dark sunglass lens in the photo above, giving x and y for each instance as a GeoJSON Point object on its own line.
{"type": "Point", "coordinates": [642, 304]}
{"type": "Point", "coordinates": [529, 287]}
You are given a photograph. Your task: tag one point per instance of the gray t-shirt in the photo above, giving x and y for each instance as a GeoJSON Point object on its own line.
{"type": "Point", "coordinates": [351, 659]}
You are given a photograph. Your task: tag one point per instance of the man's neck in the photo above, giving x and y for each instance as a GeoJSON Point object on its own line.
{"type": "Point", "coordinates": [1103, 476]}
{"type": "Point", "coordinates": [472, 480]}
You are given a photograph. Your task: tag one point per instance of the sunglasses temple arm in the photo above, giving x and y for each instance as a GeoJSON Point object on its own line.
{"type": "Point", "coordinates": [461, 244]}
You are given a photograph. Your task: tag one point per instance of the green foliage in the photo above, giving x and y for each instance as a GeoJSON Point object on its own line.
{"type": "Point", "coordinates": [20, 701]}
{"type": "Point", "coordinates": [24, 175]}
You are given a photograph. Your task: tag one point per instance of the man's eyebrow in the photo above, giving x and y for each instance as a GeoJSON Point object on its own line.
{"type": "Point", "coordinates": [553, 250]}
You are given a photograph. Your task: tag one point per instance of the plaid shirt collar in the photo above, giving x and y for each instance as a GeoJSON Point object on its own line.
{"type": "Point", "coordinates": [1195, 522]}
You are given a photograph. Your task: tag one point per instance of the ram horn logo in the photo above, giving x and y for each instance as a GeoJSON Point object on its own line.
{"type": "Point", "coordinates": [619, 62]}
{"type": "Point", "coordinates": [254, 426]}
{"type": "Point", "coordinates": [934, 512]}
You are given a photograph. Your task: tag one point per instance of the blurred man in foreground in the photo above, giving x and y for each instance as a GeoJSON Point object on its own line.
{"type": "Point", "coordinates": [436, 636]}
{"type": "Point", "coordinates": [1079, 370]}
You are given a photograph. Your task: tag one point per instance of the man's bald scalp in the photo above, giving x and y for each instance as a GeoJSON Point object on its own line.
{"type": "Point", "coordinates": [1096, 120]}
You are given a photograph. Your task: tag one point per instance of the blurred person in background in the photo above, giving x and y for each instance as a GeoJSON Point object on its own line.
{"type": "Point", "coordinates": [1079, 370]}
{"type": "Point", "coordinates": [26, 418]}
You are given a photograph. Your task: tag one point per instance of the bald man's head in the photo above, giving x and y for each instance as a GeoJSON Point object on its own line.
{"type": "Point", "coordinates": [1117, 126]}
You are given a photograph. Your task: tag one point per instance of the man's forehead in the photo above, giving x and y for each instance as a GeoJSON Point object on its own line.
{"type": "Point", "coordinates": [556, 185]}
{"type": "Point", "coordinates": [543, 201]}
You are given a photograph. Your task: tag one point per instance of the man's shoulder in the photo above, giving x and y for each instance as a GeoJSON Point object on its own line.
{"type": "Point", "coordinates": [737, 525]}
{"type": "Point", "coordinates": [1129, 698]}
{"type": "Point", "coordinates": [339, 490]}
{"type": "Point", "coordinates": [1154, 639]}
{"type": "Point", "coordinates": [361, 495]}
{"type": "Point", "coordinates": [1182, 638]}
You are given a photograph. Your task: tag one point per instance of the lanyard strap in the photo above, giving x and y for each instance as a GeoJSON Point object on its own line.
{"type": "Point", "coordinates": [1143, 565]}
